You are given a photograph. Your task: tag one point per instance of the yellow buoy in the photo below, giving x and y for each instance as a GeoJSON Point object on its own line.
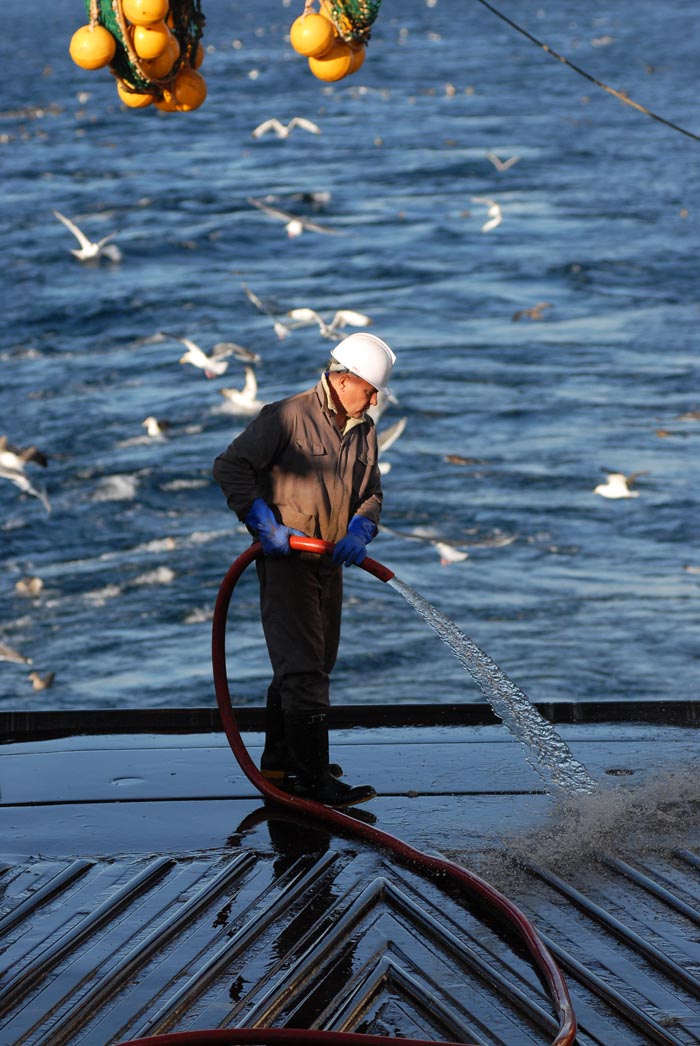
{"type": "Point", "coordinates": [334, 64]}
{"type": "Point", "coordinates": [92, 47]}
{"type": "Point", "coordinates": [311, 35]}
{"type": "Point", "coordinates": [151, 41]}
{"type": "Point", "coordinates": [145, 12]}
{"type": "Point", "coordinates": [134, 99]}
{"type": "Point", "coordinates": [188, 90]}
{"type": "Point", "coordinates": [158, 68]}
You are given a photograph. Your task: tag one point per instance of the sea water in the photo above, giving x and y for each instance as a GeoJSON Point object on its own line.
{"type": "Point", "coordinates": [545, 750]}
{"type": "Point", "coordinates": [510, 423]}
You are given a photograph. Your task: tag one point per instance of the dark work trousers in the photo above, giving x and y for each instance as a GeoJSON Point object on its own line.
{"type": "Point", "coordinates": [301, 598]}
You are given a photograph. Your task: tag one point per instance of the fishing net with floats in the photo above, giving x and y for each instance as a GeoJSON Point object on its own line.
{"type": "Point", "coordinates": [186, 22]}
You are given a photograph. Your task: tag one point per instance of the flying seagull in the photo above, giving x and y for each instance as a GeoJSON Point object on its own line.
{"type": "Point", "coordinates": [90, 251]}
{"type": "Point", "coordinates": [213, 366]}
{"type": "Point", "coordinates": [22, 481]}
{"type": "Point", "coordinates": [239, 351]}
{"type": "Point", "coordinates": [502, 165]}
{"type": "Point", "coordinates": [495, 216]}
{"type": "Point", "coordinates": [284, 130]}
{"type": "Point", "coordinates": [618, 485]}
{"type": "Point", "coordinates": [387, 438]}
{"type": "Point", "coordinates": [294, 224]}
{"type": "Point", "coordinates": [7, 653]}
{"type": "Point", "coordinates": [330, 328]}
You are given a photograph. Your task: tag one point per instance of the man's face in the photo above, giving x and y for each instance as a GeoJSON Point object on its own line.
{"type": "Point", "coordinates": [356, 395]}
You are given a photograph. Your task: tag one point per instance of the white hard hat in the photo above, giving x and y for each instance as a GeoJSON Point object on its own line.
{"type": "Point", "coordinates": [366, 356]}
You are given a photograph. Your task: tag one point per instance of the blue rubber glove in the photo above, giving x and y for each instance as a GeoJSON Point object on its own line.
{"type": "Point", "coordinates": [352, 548]}
{"type": "Point", "coordinates": [273, 536]}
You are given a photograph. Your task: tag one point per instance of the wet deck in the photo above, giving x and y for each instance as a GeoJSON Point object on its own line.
{"type": "Point", "coordinates": [145, 887]}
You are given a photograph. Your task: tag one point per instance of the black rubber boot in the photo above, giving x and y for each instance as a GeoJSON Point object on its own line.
{"type": "Point", "coordinates": [307, 740]}
{"type": "Point", "coordinates": [276, 762]}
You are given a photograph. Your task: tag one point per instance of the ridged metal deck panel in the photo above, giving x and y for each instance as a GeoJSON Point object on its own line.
{"type": "Point", "coordinates": [286, 923]}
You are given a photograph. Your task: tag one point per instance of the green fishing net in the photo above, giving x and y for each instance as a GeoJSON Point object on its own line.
{"type": "Point", "coordinates": [353, 18]}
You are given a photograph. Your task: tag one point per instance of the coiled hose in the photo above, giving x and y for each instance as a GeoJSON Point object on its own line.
{"type": "Point", "coordinates": [417, 860]}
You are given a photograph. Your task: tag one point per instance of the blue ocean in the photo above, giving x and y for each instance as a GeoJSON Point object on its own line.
{"type": "Point", "coordinates": [525, 242]}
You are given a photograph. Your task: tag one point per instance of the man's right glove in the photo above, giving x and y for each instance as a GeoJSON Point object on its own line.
{"type": "Point", "coordinates": [274, 536]}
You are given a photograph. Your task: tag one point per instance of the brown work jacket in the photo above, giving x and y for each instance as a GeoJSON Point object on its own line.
{"type": "Point", "coordinates": [313, 477]}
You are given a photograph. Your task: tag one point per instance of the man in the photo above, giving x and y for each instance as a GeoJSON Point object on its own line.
{"type": "Point", "coordinates": [308, 465]}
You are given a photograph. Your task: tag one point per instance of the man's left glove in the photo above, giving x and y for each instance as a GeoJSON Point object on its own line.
{"type": "Point", "coordinates": [352, 548]}
{"type": "Point", "coordinates": [274, 536]}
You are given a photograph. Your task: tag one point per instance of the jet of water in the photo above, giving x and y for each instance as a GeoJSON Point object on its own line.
{"type": "Point", "coordinates": [546, 751]}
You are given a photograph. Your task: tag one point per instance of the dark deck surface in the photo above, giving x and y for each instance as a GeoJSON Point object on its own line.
{"type": "Point", "coordinates": [145, 887]}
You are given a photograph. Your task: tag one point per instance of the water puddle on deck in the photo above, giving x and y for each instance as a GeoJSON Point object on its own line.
{"type": "Point", "coordinates": [545, 750]}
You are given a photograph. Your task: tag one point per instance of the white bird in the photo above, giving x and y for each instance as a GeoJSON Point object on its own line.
{"type": "Point", "coordinates": [618, 485]}
{"type": "Point", "coordinates": [281, 329]}
{"type": "Point", "coordinates": [386, 438]}
{"type": "Point", "coordinates": [243, 401]}
{"type": "Point", "coordinates": [330, 328]}
{"type": "Point", "coordinates": [41, 682]}
{"type": "Point", "coordinates": [7, 653]}
{"type": "Point", "coordinates": [502, 165]}
{"type": "Point", "coordinates": [294, 224]}
{"type": "Point", "coordinates": [239, 351]}
{"type": "Point", "coordinates": [495, 215]}
{"type": "Point", "coordinates": [448, 553]}
{"type": "Point", "coordinates": [22, 481]}
{"type": "Point", "coordinates": [213, 366]}
{"type": "Point", "coordinates": [90, 251]}
{"type": "Point", "coordinates": [155, 427]}
{"type": "Point", "coordinates": [284, 130]}
{"type": "Point", "coordinates": [29, 586]}
{"type": "Point", "coordinates": [16, 458]}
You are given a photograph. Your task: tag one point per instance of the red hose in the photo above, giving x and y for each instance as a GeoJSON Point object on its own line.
{"type": "Point", "coordinates": [471, 882]}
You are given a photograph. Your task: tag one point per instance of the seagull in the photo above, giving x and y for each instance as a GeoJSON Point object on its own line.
{"type": "Point", "coordinates": [535, 313]}
{"type": "Point", "coordinates": [213, 366]}
{"type": "Point", "coordinates": [448, 553]}
{"type": "Point", "coordinates": [243, 401]}
{"type": "Point", "coordinates": [502, 165]}
{"type": "Point", "coordinates": [155, 426]}
{"type": "Point", "coordinates": [387, 438]}
{"type": "Point", "coordinates": [29, 586]}
{"type": "Point", "coordinates": [19, 479]}
{"type": "Point", "coordinates": [8, 654]}
{"type": "Point", "coordinates": [284, 130]}
{"type": "Point", "coordinates": [89, 250]}
{"type": "Point", "coordinates": [281, 329]}
{"type": "Point", "coordinates": [294, 224]}
{"type": "Point", "coordinates": [494, 212]}
{"type": "Point", "coordinates": [41, 682]}
{"type": "Point", "coordinates": [16, 458]}
{"type": "Point", "coordinates": [618, 485]}
{"type": "Point", "coordinates": [342, 318]}
{"type": "Point", "coordinates": [239, 351]}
